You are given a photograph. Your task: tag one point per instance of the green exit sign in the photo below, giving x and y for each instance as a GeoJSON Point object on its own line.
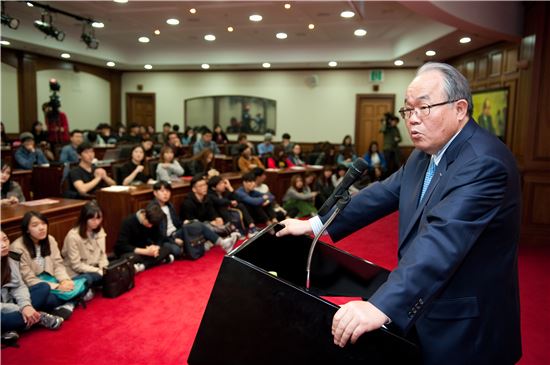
{"type": "Point", "coordinates": [376, 76]}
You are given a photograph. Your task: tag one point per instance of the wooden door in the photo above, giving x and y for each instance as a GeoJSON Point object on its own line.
{"type": "Point", "coordinates": [140, 109]}
{"type": "Point", "coordinates": [370, 111]}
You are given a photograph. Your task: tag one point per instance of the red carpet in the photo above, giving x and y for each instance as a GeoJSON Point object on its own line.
{"type": "Point", "coordinates": [156, 322]}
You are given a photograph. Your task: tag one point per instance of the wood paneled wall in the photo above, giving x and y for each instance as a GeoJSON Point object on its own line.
{"type": "Point", "coordinates": [28, 64]}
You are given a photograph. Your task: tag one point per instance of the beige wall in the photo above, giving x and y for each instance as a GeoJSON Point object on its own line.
{"type": "Point", "coordinates": [85, 98]}
{"type": "Point", "coordinates": [10, 99]}
{"type": "Point", "coordinates": [309, 114]}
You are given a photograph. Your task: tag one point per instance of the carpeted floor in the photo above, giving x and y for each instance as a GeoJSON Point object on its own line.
{"type": "Point", "coordinates": [156, 322]}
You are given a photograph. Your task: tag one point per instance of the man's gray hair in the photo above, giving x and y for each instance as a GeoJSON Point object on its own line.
{"type": "Point", "coordinates": [455, 84]}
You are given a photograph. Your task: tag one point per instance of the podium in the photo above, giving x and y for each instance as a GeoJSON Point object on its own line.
{"type": "Point", "coordinates": [260, 312]}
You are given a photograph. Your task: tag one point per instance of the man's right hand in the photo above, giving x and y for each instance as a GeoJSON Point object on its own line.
{"type": "Point", "coordinates": [294, 227]}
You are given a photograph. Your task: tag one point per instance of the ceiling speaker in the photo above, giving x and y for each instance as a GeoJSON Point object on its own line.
{"type": "Point", "coordinates": [312, 80]}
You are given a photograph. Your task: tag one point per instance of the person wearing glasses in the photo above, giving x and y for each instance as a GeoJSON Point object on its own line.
{"type": "Point", "coordinates": [458, 196]}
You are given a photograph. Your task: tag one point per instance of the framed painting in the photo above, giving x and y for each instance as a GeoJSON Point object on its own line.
{"type": "Point", "coordinates": [491, 110]}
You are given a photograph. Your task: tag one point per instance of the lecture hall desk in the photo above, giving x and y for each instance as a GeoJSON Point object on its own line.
{"type": "Point", "coordinates": [279, 180]}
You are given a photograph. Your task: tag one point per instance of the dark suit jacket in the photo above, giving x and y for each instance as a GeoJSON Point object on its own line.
{"type": "Point", "coordinates": [456, 280]}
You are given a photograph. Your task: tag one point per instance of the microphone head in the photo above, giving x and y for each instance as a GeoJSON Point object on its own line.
{"type": "Point", "coordinates": [360, 165]}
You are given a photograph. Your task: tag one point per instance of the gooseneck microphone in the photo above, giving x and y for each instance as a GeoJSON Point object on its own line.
{"type": "Point", "coordinates": [354, 173]}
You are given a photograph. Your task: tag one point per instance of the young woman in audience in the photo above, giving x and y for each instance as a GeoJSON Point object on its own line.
{"type": "Point", "coordinates": [279, 158]}
{"type": "Point", "coordinates": [168, 168]}
{"type": "Point", "coordinates": [149, 149]}
{"type": "Point", "coordinates": [39, 254]}
{"type": "Point", "coordinates": [347, 143]}
{"type": "Point", "coordinates": [189, 137]}
{"type": "Point", "coordinates": [84, 247]}
{"type": "Point", "coordinates": [346, 157]}
{"type": "Point", "coordinates": [339, 176]}
{"type": "Point", "coordinates": [327, 156]}
{"type": "Point", "coordinates": [299, 199]}
{"type": "Point", "coordinates": [324, 186]}
{"type": "Point", "coordinates": [37, 130]}
{"type": "Point", "coordinates": [247, 161]}
{"type": "Point", "coordinates": [21, 308]}
{"type": "Point", "coordinates": [295, 159]}
{"type": "Point", "coordinates": [11, 190]}
{"type": "Point", "coordinates": [202, 163]}
{"type": "Point", "coordinates": [376, 161]}
{"type": "Point", "coordinates": [132, 173]}
{"type": "Point", "coordinates": [219, 136]}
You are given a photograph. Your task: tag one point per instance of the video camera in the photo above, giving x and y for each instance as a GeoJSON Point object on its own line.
{"type": "Point", "coordinates": [55, 102]}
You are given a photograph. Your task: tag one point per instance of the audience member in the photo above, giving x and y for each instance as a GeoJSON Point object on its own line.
{"type": "Point", "coordinates": [376, 161]}
{"type": "Point", "coordinates": [299, 200]}
{"type": "Point", "coordinates": [27, 155]}
{"type": "Point", "coordinates": [132, 173]}
{"type": "Point", "coordinates": [202, 164]}
{"type": "Point", "coordinates": [11, 190]}
{"type": "Point", "coordinates": [175, 142]}
{"type": "Point", "coordinates": [247, 161]}
{"type": "Point", "coordinates": [188, 137]}
{"type": "Point", "coordinates": [168, 168]}
{"type": "Point", "coordinates": [327, 156]}
{"type": "Point", "coordinates": [324, 186]}
{"type": "Point", "coordinates": [162, 137]}
{"type": "Point", "coordinates": [57, 124]}
{"type": "Point", "coordinates": [37, 130]}
{"type": "Point", "coordinates": [206, 142]}
{"type": "Point", "coordinates": [149, 149]}
{"type": "Point", "coordinates": [105, 135]}
{"type": "Point", "coordinates": [261, 187]}
{"type": "Point", "coordinates": [278, 160]}
{"type": "Point", "coordinates": [392, 138]}
{"type": "Point", "coordinates": [241, 140]}
{"type": "Point", "coordinates": [347, 143]}
{"type": "Point", "coordinates": [69, 152]}
{"type": "Point", "coordinates": [286, 144]}
{"type": "Point", "coordinates": [219, 136]}
{"type": "Point", "coordinates": [346, 157]}
{"type": "Point", "coordinates": [295, 159]}
{"type": "Point", "coordinates": [132, 136]}
{"type": "Point", "coordinates": [266, 147]}
{"type": "Point", "coordinates": [259, 205]}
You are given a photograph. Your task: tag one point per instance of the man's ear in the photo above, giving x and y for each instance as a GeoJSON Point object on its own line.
{"type": "Point", "coordinates": [461, 109]}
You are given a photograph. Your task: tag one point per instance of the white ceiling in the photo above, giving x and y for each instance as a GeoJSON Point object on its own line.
{"type": "Point", "coordinates": [394, 30]}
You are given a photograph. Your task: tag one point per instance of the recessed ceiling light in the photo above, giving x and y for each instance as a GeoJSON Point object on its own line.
{"type": "Point", "coordinates": [5, 43]}
{"type": "Point", "coordinates": [230, 29]}
{"type": "Point", "coordinates": [311, 26]}
{"type": "Point", "coordinates": [465, 40]}
{"type": "Point", "coordinates": [172, 21]}
{"type": "Point", "coordinates": [210, 37]}
{"type": "Point", "coordinates": [347, 14]}
{"type": "Point", "coordinates": [143, 40]}
{"type": "Point", "coordinates": [266, 65]}
{"type": "Point", "coordinates": [193, 11]}
{"type": "Point", "coordinates": [30, 5]}
{"type": "Point", "coordinates": [430, 53]}
{"type": "Point", "coordinates": [333, 63]}
{"type": "Point", "coordinates": [121, 1]}
{"type": "Point", "coordinates": [111, 64]}
{"type": "Point", "coordinates": [98, 25]}
{"type": "Point", "coordinates": [287, 6]}
{"type": "Point", "coordinates": [360, 32]}
{"type": "Point", "coordinates": [281, 35]}
{"type": "Point", "coordinates": [65, 55]}
{"type": "Point", "coordinates": [398, 63]}
{"type": "Point", "coordinates": [157, 32]}
{"type": "Point", "coordinates": [148, 67]}
{"type": "Point", "coordinates": [205, 66]}
{"type": "Point", "coordinates": [255, 18]}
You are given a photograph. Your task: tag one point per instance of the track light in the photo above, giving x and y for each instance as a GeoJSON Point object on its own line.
{"type": "Point", "coordinates": [88, 36]}
{"type": "Point", "coordinates": [8, 20]}
{"type": "Point", "coordinates": [45, 26]}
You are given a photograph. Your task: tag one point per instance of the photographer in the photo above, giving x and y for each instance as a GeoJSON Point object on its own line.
{"type": "Point", "coordinates": [392, 137]}
{"type": "Point", "coordinates": [56, 120]}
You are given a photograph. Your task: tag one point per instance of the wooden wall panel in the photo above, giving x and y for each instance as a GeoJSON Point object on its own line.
{"type": "Point", "coordinates": [495, 64]}
{"type": "Point", "coordinates": [481, 69]}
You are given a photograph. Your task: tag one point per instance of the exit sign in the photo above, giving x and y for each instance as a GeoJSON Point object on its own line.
{"type": "Point", "coordinates": [376, 76]}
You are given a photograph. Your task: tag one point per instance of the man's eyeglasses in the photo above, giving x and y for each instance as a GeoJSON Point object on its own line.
{"type": "Point", "coordinates": [421, 111]}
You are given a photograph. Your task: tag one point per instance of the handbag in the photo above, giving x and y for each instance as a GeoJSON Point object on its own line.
{"type": "Point", "coordinates": [118, 277]}
{"type": "Point", "coordinates": [193, 240]}
{"type": "Point", "coordinates": [79, 287]}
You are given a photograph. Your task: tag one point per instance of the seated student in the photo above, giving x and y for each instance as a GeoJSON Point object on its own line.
{"type": "Point", "coordinates": [132, 173]}
{"type": "Point", "coordinates": [69, 152]}
{"type": "Point", "coordinates": [219, 135]}
{"type": "Point", "coordinates": [85, 179]}
{"type": "Point", "coordinates": [188, 137]}
{"type": "Point", "coordinates": [132, 136]}
{"type": "Point", "coordinates": [84, 247]}
{"type": "Point", "coordinates": [206, 142]}
{"type": "Point", "coordinates": [295, 159]}
{"type": "Point", "coordinates": [263, 188]}
{"type": "Point", "coordinates": [21, 308]}
{"type": "Point", "coordinates": [105, 135]}
{"type": "Point", "coordinates": [235, 149]}
{"type": "Point", "coordinates": [346, 157]}
{"type": "Point", "coordinates": [228, 207]}
{"type": "Point", "coordinates": [324, 186]}
{"type": "Point", "coordinates": [11, 190]}
{"type": "Point", "coordinates": [202, 164]}
{"type": "Point", "coordinates": [339, 176]}
{"type": "Point", "coordinates": [247, 161]}
{"type": "Point", "coordinates": [299, 199]}
{"type": "Point", "coordinates": [168, 168]}
{"type": "Point", "coordinates": [377, 163]}
{"type": "Point", "coordinates": [171, 226]}
{"type": "Point", "coordinates": [41, 262]}
{"type": "Point", "coordinates": [27, 155]}
{"type": "Point", "coordinates": [266, 147]}
{"type": "Point", "coordinates": [278, 160]}
{"type": "Point", "coordinates": [141, 238]}
{"type": "Point", "coordinates": [286, 144]}
{"type": "Point", "coordinates": [259, 205]}
{"type": "Point", "coordinates": [174, 141]}
{"type": "Point", "coordinates": [149, 149]}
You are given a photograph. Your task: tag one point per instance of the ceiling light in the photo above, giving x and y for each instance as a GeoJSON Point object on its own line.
{"type": "Point", "coordinates": [65, 55]}
{"type": "Point", "coordinates": [205, 66]}
{"type": "Point", "coordinates": [230, 29]}
{"type": "Point", "coordinates": [121, 1]}
{"type": "Point", "coordinates": [98, 25]}
{"type": "Point", "coordinates": [333, 63]}
{"type": "Point", "coordinates": [266, 65]}
{"type": "Point", "coordinates": [281, 35]}
{"type": "Point", "coordinates": [430, 53]}
{"type": "Point", "coordinates": [148, 67]}
{"type": "Point", "coordinates": [192, 10]}
{"type": "Point", "coordinates": [5, 43]}
{"type": "Point", "coordinates": [311, 26]}
{"type": "Point", "coordinates": [111, 64]}
{"type": "Point", "coordinates": [255, 18]}
{"type": "Point", "coordinates": [10, 21]}
{"type": "Point", "coordinates": [88, 36]}
{"type": "Point", "coordinates": [465, 40]}
{"type": "Point", "coordinates": [210, 37]}
{"type": "Point", "coordinates": [347, 14]}
{"type": "Point", "coordinates": [143, 40]}
{"type": "Point", "coordinates": [287, 6]}
{"type": "Point", "coordinates": [172, 21]}
{"type": "Point", "coordinates": [30, 5]}
{"type": "Point", "coordinates": [45, 26]}
{"type": "Point", "coordinates": [398, 63]}
{"type": "Point", "coordinates": [360, 32]}
{"type": "Point", "coordinates": [157, 32]}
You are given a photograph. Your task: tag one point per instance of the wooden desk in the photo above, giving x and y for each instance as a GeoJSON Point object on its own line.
{"type": "Point", "coordinates": [117, 206]}
{"type": "Point", "coordinates": [62, 216]}
{"type": "Point", "coordinates": [100, 150]}
{"type": "Point", "coordinates": [279, 180]}
{"type": "Point", "coordinates": [223, 163]}
{"type": "Point", "coordinates": [24, 178]}
{"type": "Point", "coordinates": [46, 181]}
{"type": "Point", "coordinates": [7, 155]}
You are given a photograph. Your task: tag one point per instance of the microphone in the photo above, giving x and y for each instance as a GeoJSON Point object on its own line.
{"type": "Point", "coordinates": [354, 172]}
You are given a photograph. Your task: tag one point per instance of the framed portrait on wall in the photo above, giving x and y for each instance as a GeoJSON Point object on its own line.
{"type": "Point", "coordinates": [491, 110]}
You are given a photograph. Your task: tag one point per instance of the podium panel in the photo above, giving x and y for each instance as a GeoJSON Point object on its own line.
{"type": "Point", "coordinates": [260, 313]}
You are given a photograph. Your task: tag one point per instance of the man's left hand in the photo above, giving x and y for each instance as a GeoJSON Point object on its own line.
{"type": "Point", "coordinates": [355, 318]}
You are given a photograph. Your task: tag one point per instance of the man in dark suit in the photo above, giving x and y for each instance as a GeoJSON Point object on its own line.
{"type": "Point", "coordinates": [458, 197]}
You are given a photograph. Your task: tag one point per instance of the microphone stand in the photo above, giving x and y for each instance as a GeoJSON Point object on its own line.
{"type": "Point", "coordinates": [343, 200]}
